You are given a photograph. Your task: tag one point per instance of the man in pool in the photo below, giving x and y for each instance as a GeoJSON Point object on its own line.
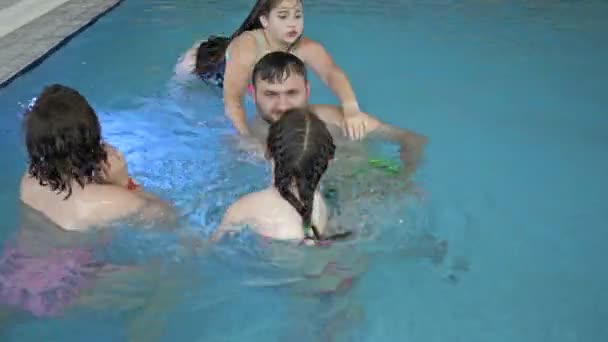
{"type": "Point", "coordinates": [280, 83]}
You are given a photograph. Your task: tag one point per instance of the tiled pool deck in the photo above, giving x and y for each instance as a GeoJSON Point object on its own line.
{"type": "Point", "coordinates": [31, 29]}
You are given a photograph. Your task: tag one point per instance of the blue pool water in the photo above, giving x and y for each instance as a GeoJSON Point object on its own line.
{"type": "Point", "coordinates": [510, 95]}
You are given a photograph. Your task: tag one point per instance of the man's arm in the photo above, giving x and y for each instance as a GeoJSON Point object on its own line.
{"type": "Point", "coordinates": [328, 113]}
{"type": "Point", "coordinates": [411, 143]}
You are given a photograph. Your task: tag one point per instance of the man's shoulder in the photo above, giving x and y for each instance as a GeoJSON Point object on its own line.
{"type": "Point", "coordinates": [332, 116]}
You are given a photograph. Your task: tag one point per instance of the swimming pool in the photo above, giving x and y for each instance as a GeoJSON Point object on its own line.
{"type": "Point", "coordinates": [509, 93]}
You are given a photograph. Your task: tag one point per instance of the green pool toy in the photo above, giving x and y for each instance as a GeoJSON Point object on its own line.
{"type": "Point", "coordinates": [387, 165]}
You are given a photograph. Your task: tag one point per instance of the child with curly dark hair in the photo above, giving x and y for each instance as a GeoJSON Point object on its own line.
{"type": "Point", "coordinates": [73, 177]}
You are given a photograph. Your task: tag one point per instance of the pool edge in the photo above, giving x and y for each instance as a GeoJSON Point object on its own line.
{"type": "Point", "coordinates": [37, 60]}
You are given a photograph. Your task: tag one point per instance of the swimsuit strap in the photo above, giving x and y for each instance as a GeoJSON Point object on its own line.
{"type": "Point", "coordinates": [259, 39]}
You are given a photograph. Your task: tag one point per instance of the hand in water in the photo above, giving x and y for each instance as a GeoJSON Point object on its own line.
{"type": "Point", "coordinates": [115, 167]}
{"type": "Point", "coordinates": [356, 123]}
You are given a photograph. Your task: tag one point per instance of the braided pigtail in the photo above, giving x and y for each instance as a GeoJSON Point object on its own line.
{"type": "Point", "coordinates": [301, 147]}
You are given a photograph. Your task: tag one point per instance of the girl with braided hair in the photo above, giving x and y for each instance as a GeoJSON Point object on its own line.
{"type": "Point", "coordinates": [299, 148]}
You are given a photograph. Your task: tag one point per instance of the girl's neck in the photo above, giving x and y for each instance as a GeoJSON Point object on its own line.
{"type": "Point", "coordinates": [293, 189]}
{"type": "Point", "coordinates": [274, 45]}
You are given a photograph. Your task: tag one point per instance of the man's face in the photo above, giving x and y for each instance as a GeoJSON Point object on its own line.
{"type": "Point", "coordinates": [272, 100]}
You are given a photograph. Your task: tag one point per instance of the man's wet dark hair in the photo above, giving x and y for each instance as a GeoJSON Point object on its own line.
{"type": "Point", "coordinates": [276, 67]}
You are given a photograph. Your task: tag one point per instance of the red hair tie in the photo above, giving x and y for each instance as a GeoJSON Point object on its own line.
{"type": "Point", "coordinates": [131, 185]}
